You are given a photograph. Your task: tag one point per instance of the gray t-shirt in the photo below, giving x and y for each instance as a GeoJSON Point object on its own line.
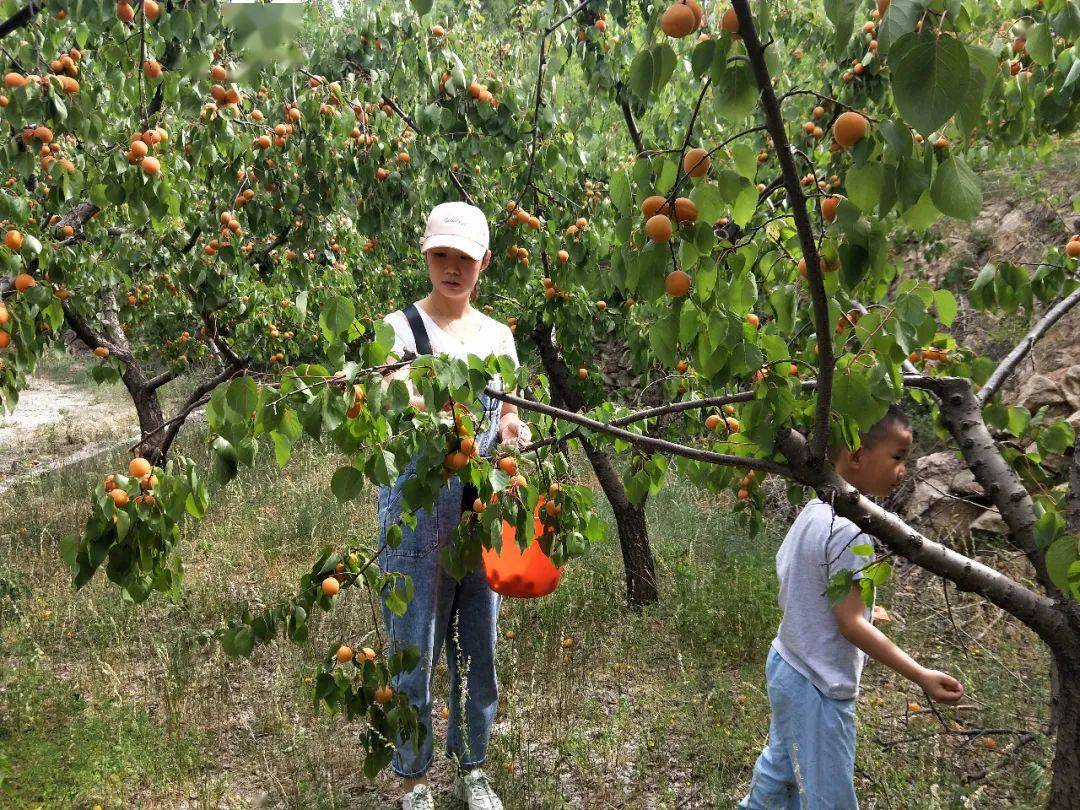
{"type": "Point", "coordinates": [817, 546]}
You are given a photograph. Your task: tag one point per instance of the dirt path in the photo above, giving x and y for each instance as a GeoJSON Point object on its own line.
{"type": "Point", "coordinates": [63, 418]}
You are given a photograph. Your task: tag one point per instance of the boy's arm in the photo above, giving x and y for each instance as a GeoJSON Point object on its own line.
{"type": "Point", "coordinates": [851, 619]}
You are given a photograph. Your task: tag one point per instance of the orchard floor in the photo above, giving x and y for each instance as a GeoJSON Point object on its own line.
{"type": "Point", "coordinates": [103, 702]}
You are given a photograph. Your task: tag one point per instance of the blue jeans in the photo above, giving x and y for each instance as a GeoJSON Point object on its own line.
{"type": "Point", "coordinates": [461, 615]}
{"type": "Point", "coordinates": [809, 761]}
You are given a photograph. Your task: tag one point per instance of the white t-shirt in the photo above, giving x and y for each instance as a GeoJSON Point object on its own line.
{"type": "Point", "coordinates": [817, 546]}
{"type": "Point", "coordinates": [489, 337]}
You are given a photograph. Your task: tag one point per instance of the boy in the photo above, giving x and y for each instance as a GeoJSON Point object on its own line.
{"type": "Point", "coordinates": [816, 659]}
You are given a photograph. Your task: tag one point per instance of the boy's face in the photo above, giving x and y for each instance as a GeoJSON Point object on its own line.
{"type": "Point", "coordinates": [875, 469]}
{"type": "Point", "coordinates": [454, 273]}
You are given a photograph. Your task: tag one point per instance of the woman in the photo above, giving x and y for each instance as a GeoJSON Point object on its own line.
{"type": "Point", "coordinates": [463, 615]}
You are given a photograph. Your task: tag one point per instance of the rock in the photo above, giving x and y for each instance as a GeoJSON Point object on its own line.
{"type": "Point", "coordinates": [990, 521]}
{"type": "Point", "coordinates": [1074, 420]}
{"type": "Point", "coordinates": [965, 485]}
{"type": "Point", "coordinates": [1070, 386]}
{"type": "Point", "coordinates": [936, 477]}
{"type": "Point", "coordinates": [1038, 391]}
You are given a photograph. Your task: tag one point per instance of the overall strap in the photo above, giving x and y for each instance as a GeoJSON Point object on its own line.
{"type": "Point", "coordinates": [419, 331]}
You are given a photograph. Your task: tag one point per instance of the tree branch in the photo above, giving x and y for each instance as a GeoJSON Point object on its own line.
{"type": "Point", "coordinates": [393, 105]}
{"type": "Point", "coordinates": [635, 134]}
{"type": "Point", "coordinates": [961, 414]}
{"type": "Point", "coordinates": [658, 445]}
{"type": "Point", "coordinates": [1012, 360]}
{"type": "Point", "coordinates": [774, 122]}
{"type": "Point", "coordinates": [20, 18]}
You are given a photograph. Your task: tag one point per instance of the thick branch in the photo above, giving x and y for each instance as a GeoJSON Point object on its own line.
{"type": "Point", "coordinates": [20, 18]}
{"type": "Point", "coordinates": [961, 414]}
{"type": "Point", "coordinates": [774, 122]}
{"type": "Point", "coordinates": [1012, 360]}
{"type": "Point", "coordinates": [1036, 611]}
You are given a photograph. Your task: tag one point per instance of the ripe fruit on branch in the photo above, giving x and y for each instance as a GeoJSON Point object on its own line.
{"type": "Point", "coordinates": [508, 464]}
{"type": "Point", "coordinates": [658, 228]}
{"type": "Point", "coordinates": [24, 281]}
{"type": "Point", "coordinates": [651, 206]}
{"type": "Point", "coordinates": [14, 79]}
{"type": "Point", "coordinates": [850, 128]}
{"type": "Point", "coordinates": [139, 466]}
{"type": "Point", "coordinates": [1072, 248]}
{"type": "Point", "coordinates": [697, 162]}
{"type": "Point", "coordinates": [330, 586]}
{"type": "Point", "coordinates": [677, 283]}
{"type": "Point", "coordinates": [582, 373]}
{"type": "Point", "coordinates": [730, 23]}
{"type": "Point", "coordinates": [678, 20]}
{"type": "Point", "coordinates": [101, 351]}
{"type": "Point", "coordinates": [125, 12]}
{"type": "Point", "coordinates": [712, 421]}
{"type": "Point", "coordinates": [14, 240]}
{"type": "Point", "coordinates": [802, 266]}
{"type": "Point", "coordinates": [344, 654]}
{"type": "Point", "coordinates": [383, 694]}
{"type": "Point", "coordinates": [685, 210]}
{"type": "Point", "coordinates": [150, 165]}
{"type": "Point", "coordinates": [151, 9]}
{"type": "Point", "coordinates": [828, 208]}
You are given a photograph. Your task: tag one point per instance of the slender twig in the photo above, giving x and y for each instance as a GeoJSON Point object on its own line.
{"type": "Point", "coordinates": [659, 445]}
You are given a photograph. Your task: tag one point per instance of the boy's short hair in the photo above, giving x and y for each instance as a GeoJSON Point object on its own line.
{"type": "Point", "coordinates": [895, 418]}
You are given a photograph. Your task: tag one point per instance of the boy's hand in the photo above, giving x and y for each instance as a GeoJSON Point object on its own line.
{"type": "Point", "coordinates": [941, 687]}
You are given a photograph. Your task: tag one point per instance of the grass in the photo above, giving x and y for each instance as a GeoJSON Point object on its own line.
{"type": "Point", "coordinates": [102, 702]}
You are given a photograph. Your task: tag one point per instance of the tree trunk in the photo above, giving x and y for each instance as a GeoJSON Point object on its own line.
{"type": "Point", "coordinates": [148, 409]}
{"type": "Point", "coordinates": [1065, 787]}
{"type": "Point", "coordinates": [633, 531]}
{"type": "Point", "coordinates": [641, 588]}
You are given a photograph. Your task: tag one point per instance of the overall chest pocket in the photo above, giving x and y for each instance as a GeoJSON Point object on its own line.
{"type": "Point", "coordinates": [418, 541]}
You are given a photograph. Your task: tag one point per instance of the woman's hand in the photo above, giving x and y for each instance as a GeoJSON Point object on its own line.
{"type": "Point", "coordinates": [513, 432]}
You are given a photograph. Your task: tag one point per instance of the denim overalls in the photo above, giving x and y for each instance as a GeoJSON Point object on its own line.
{"type": "Point", "coordinates": [461, 614]}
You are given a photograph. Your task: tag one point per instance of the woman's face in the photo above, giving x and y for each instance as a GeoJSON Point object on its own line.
{"type": "Point", "coordinates": [454, 273]}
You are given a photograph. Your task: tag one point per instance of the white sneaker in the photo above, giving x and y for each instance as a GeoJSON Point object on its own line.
{"type": "Point", "coordinates": [419, 798]}
{"type": "Point", "coordinates": [475, 789]}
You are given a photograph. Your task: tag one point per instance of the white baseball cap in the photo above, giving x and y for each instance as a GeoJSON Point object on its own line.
{"type": "Point", "coordinates": [457, 225]}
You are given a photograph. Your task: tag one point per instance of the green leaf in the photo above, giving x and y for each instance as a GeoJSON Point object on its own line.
{"type": "Point", "coordinates": [641, 74]}
{"type": "Point", "coordinates": [1018, 420]}
{"type": "Point", "coordinates": [381, 467]}
{"type": "Point", "coordinates": [930, 81]}
{"type": "Point", "coordinates": [956, 190]}
{"type": "Point", "coordinates": [1039, 44]}
{"type": "Point", "coordinates": [337, 316]}
{"type": "Point", "coordinates": [864, 185]}
{"type": "Point", "coordinates": [945, 303]}
{"type": "Point", "coordinates": [735, 93]}
{"type": "Point", "coordinates": [347, 483]}
{"type": "Point", "coordinates": [421, 7]}
{"type": "Point", "coordinates": [1057, 438]}
{"type": "Point", "coordinates": [900, 19]}
{"type": "Point", "coordinates": [841, 14]}
{"type": "Point", "coordinates": [1061, 554]}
